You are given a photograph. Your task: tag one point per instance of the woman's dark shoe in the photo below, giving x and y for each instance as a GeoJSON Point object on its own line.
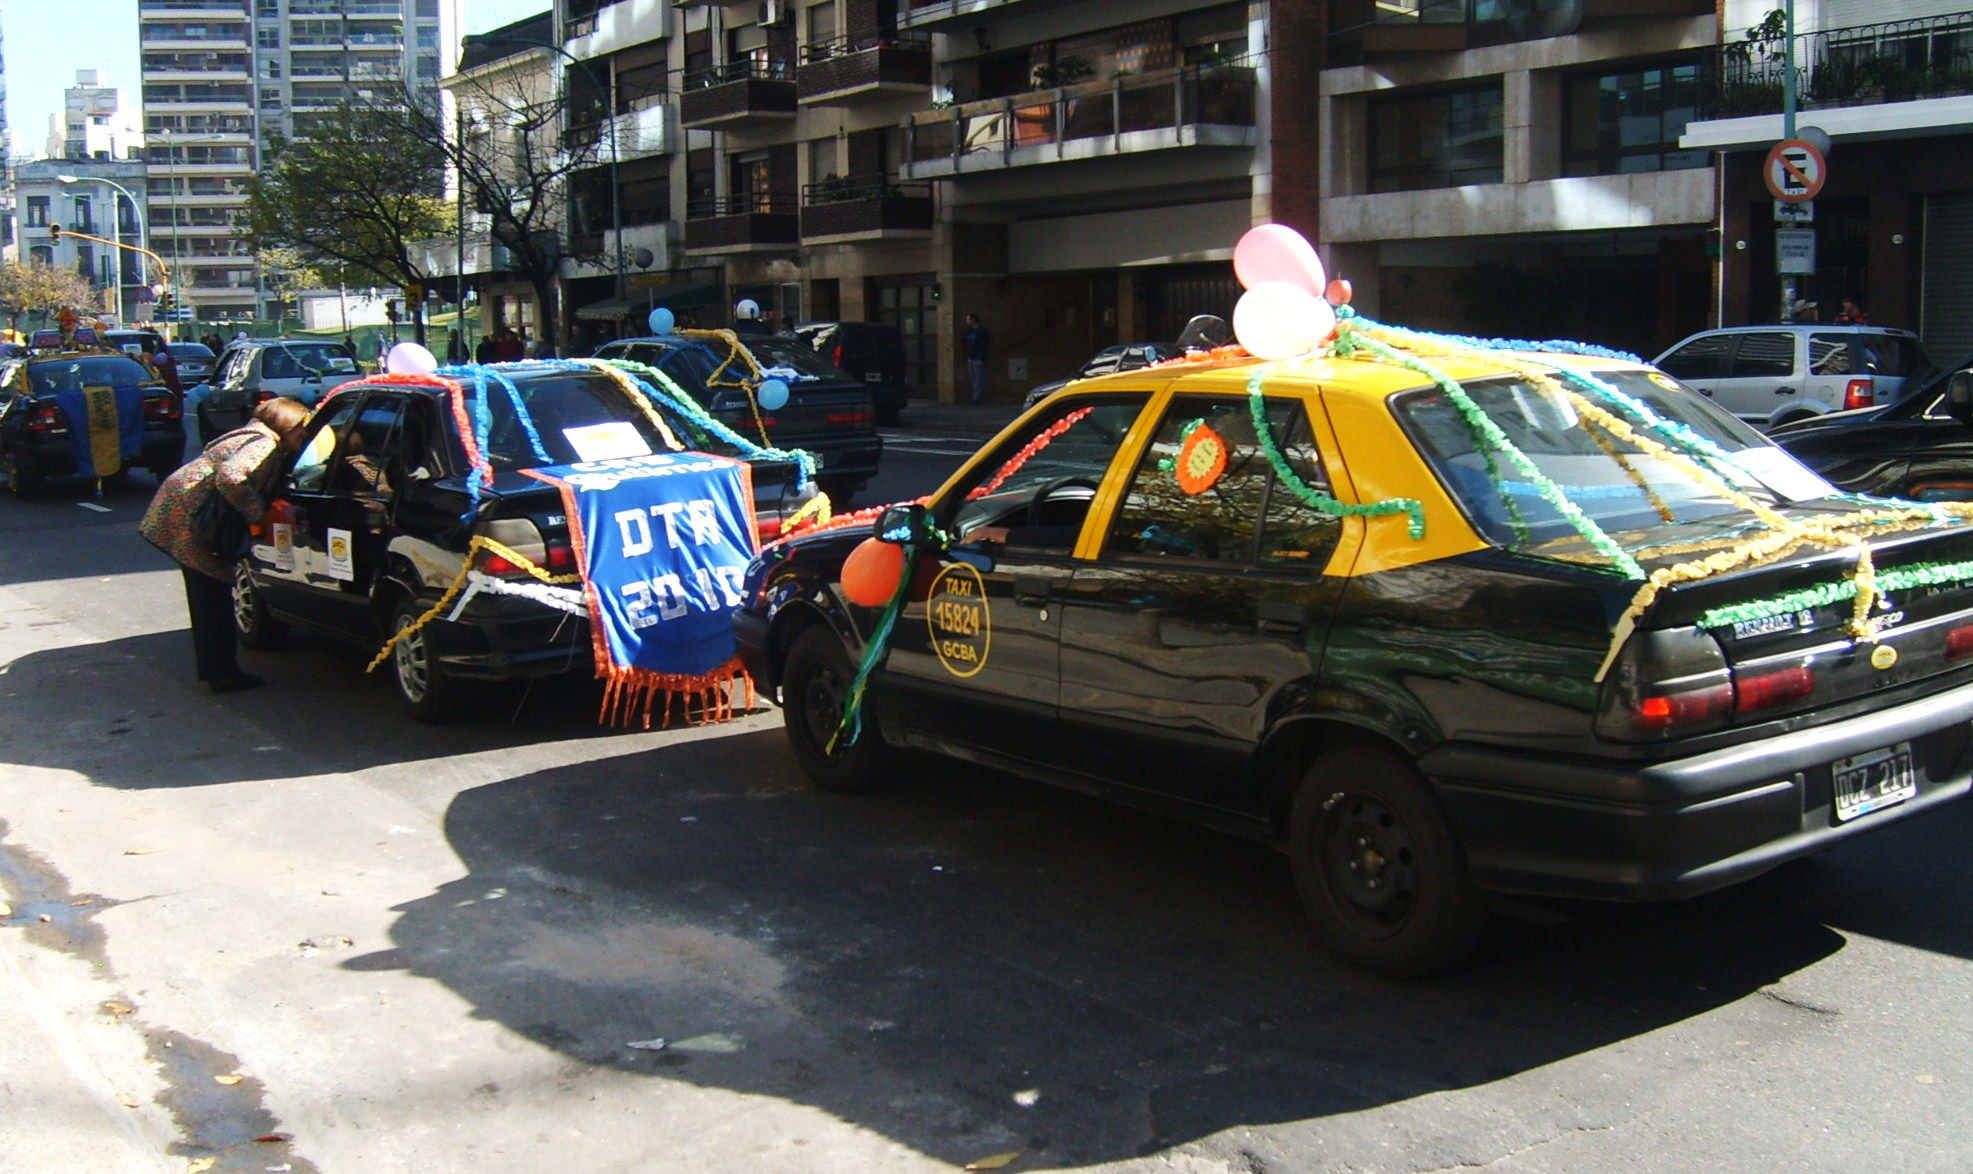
{"type": "Point", "coordinates": [238, 682]}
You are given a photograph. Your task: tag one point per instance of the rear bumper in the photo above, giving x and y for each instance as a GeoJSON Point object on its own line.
{"type": "Point", "coordinates": [56, 457]}
{"type": "Point", "coordinates": [853, 456]}
{"type": "Point", "coordinates": [1684, 826]}
{"type": "Point", "coordinates": [750, 637]}
{"type": "Point", "coordinates": [507, 639]}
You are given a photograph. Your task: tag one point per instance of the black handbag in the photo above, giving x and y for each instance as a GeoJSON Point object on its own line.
{"type": "Point", "coordinates": [221, 528]}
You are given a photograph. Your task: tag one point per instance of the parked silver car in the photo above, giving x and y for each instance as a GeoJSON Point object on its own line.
{"type": "Point", "coordinates": [257, 369]}
{"type": "Point", "coordinates": [1772, 375]}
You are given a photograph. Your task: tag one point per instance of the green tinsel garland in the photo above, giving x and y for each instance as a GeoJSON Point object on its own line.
{"type": "Point", "coordinates": [1809, 598]}
{"type": "Point", "coordinates": [1312, 497]}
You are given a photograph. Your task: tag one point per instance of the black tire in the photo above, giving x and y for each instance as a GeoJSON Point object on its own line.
{"type": "Point", "coordinates": [1378, 866]}
{"type": "Point", "coordinates": [429, 692]}
{"type": "Point", "coordinates": [257, 629]}
{"type": "Point", "coordinates": [23, 481]}
{"type": "Point", "coordinates": [814, 684]}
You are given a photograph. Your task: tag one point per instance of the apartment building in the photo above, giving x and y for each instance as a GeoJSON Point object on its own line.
{"type": "Point", "coordinates": [100, 197]}
{"type": "Point", "coordinates": [95, 123]}
{"type": "Point", "coordinates": [9, 249]}
{"type": "Point", "coordinates": [1889, 83]}
{"type": "Point", "coordinates": [224, 78]}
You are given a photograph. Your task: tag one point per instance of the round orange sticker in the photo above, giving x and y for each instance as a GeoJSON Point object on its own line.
{"type": "Point", "coordinates": [1201, 460]}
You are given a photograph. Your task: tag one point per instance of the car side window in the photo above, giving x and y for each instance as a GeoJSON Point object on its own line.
{"type": "Point", "coordinates": [1034, 491]}
{"type": "Point", "coordinates": [236, 369]}
{"type": "Point", "coordinates": [1767, 354]}
{"type": "Point", "coordinates": [1206, 488]}
{"type": "Point", "coordinates": [1702, 358]}
{"type": "Point", "coordinates": [1830, 354]}
{"type": "Point", "coordinates": [367, 447]}
{"type": "Point", "coordinates": [310, 472]}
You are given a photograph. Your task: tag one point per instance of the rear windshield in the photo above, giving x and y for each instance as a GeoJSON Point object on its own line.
{"type": "Point", "coordinates": [790, 359]}
{"type": "Point", "coordinates": [578, 418]}
{"type": "Point", "coordinates": [1617, 483]}
{"type": "Point", "coordinates": [76, 374]}
{"type": "Point", "coordinates": [1864, 353]}
{"type": "Point", "coordinates": [190, 350]}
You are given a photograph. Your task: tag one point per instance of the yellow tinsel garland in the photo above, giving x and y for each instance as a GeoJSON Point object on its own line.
{"type": "Point", "coordinates": [479, 543]}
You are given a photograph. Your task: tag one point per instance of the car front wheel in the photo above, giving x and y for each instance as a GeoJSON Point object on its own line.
{"type": "Point", "coordinates": [1378, 866]}
{"type": "Point", "coordinates": [257, 628]}
{"type": "Point", "coordinates": [814, 686]}
{"type": "Point", "coordinates": [429, 691]}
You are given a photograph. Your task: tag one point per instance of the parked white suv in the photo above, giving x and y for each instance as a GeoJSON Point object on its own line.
{"type": "Point", "coordinates": [1769, 375]}
{"type": "Point", "coordinates": [257, 369]}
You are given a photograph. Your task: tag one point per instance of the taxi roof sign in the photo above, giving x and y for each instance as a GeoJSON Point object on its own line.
{"type": "Point", "coordinates": [1794, 171]}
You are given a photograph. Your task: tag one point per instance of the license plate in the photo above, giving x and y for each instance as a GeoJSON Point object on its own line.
{"type": "Point", "coordinates": [1871, 782]}
{"type": "Point", "coordinates": [873, 376]}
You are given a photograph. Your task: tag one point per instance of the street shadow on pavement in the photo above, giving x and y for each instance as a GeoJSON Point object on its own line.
{"type": "Point", "coordinates": [969, 963]}
{"type": "Point", "coordinates": [128, 713]}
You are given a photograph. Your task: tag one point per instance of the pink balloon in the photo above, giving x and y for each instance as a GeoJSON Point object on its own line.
{"type": "Point", "coordinates": [1275, 252]}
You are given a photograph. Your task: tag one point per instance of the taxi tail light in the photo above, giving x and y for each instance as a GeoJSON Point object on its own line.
{"type": "Point", "coordinates": [46, 419]}
{"type": "Point", "coordinates": [1666, 683]}
{"type": "Point", "coordinates": [1757, 691]}
{"type": "Point", "coordinates": [561, 556]}
{"type": "Point", "coordinates": [836, 355]}
{"type": "Point", "coordinates": [1959, 642]}
{"type": "Point", "coordinates": [850, 419]}
{"type": "Point", "coordinates": [1665, 712]}
{"type": "Point", "coordinates": [1861, 393]}
{"type": "Point", "coordinates": [163, 407]}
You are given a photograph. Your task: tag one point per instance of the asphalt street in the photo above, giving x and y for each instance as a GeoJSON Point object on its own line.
{"type": "Point", "coordinates": [458, 948]}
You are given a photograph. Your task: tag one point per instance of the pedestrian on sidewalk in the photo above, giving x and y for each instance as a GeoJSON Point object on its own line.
{"type": "Point", "coordinates": [240, 467]}
{"type": "Point", "coordinates": [976, 356]}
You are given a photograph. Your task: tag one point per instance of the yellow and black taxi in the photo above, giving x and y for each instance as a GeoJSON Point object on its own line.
{"type": "Point", "coordinates": [1444, 622]}
{"type": "Point", "coordinates": [72, 408]}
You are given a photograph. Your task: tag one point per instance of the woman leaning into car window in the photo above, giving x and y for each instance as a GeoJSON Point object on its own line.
{"type": "Point", "coordinates": [239, 466]}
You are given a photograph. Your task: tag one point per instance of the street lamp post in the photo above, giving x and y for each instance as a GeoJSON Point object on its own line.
{"type": "Point", "coordinates": [610, 108]}
{"type": "Point", "coordinates": [136, 213]}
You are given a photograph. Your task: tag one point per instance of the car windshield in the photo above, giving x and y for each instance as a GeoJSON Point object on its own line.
{"type": "Point", "coordinates": [581, 418]}
{"type": "Point", "coordinates": [1619, 484]}
{"type": "Point", "coordinates": [76, 374]}
{"type": "Point", "coordinates": [326, 357]}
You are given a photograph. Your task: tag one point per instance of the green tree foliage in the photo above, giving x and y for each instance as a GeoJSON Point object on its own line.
{"type": "Point", "coordinates": [361, 192]}
{"type": "Point", "coordinates": [28, 287]}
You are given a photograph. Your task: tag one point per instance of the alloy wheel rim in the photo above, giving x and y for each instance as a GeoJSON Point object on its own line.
{"type": "Point", "coordinates": [243, 602]}
{"type": "Point", "coordinates": [409, 660]}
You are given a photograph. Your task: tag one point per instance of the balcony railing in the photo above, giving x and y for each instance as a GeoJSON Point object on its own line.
{"type": "Point", "coordinates": [743, 222]}
{"type": "Point", "coordinates": [1167, 100]}
{"type": "Point", "coordinates": [1863, 65]}
{"type": "Point", "coordinates": [841, 71]}
{"type": "Point", "coordinates": [737, 93]}
{"type": "Point", "coordinates": [865, 206]}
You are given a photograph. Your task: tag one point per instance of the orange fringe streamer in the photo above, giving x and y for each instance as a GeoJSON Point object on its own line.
{"type": "Point", "coordinates": [631, 694]}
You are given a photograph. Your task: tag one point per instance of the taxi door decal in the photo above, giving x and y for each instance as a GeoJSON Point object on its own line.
{"type": "Point", "coordinates": [957, 615]}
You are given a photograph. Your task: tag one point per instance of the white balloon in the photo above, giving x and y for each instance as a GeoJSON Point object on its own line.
{"type": "Point", "coordinates": [1276, 320]}
{"type": "Point", "coordinates": [408, 358]}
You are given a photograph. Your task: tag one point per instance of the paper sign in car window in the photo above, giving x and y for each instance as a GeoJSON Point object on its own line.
{"type": "Point", "coordinates": [341, 363]}
{"type": "Point", "coordinates": [607, 441]}
{"type": "Point", "coordinates": [342, 560]}
{"type": "Point", "coordinates": [1787, 477]}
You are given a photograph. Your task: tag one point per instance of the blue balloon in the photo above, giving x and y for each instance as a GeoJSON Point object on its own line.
{"type": "Point", "coordinates": [773, 394]}
{"type": "Point", "coordinates": [662, 321]}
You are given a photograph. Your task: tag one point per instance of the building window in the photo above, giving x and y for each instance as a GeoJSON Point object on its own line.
{"type": "Point", "coordinates": [1630, 119]}
{"type": "Point", "coordinates": [37, 211]}
{"type": "Point", "coordinates": [1445, 138]}
{"type": "Point", "coordinates": [81, 216]}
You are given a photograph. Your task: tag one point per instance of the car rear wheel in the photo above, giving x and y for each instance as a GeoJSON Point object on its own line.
{"type": "Point", "coordinates": [429, 691]}
{"type": "Point", "coordinates": [257, 628]}
{"type": "Point", "coordinates": [814, 685]}
{"type": "Point", "coordinates": [1378, 866]}
{"type": "Point", "coordinates": [22, 479]}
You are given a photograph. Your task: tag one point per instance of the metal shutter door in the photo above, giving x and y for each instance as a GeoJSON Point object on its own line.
{"type": "Point", "coordinates": [1947, 315]}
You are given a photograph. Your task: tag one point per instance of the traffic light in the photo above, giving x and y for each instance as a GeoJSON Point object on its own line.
{"type": "Point", "coordinates": [938, 291]}
{"type": "Point", "coordinates": [55, 230]}
{"type": "Point", "coordinates": [166, 301]}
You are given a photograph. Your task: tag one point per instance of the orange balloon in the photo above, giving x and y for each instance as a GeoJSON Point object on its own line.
{"type": "Point", "coordinates": [871, 572]}
{"type": "Point", "coordinates": [1339, 292]}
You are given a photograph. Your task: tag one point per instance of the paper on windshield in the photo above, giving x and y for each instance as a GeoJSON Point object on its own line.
{"type": "Point", "coordinates": [607, 441]}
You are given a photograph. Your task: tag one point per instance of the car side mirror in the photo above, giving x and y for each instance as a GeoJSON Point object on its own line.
{"type": "Point", "coordinates": [906, 523]}
{"type": "Point", "coordinates": [1959, 396]}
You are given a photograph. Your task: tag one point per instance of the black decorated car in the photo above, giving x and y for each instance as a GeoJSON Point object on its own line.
{"type": "Point", "coordinates": [50, 427]}
{"type": "Point", "coordinates": [373, 519]}
{"type": "Point", "coordinates": [870, 351]}
{"type": "Point", "coordinates": [1920, 447]}
{"type": "Point", "coordinates": [1442, 637]}
{"type": "Point", "coordinates": [829, 413]}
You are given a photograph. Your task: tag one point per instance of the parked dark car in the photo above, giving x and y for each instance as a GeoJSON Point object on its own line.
{"type": "Point", "coordinates": [870, 351]}
{"type": "Point", "coordinates": [195, 362]}
{"type": "Point", "coordinates": [1136, 592]}
{"type": "Point", "coordinates": [42, 428]}
{"type": "Point", "coordinates": [1917, 448]}
{"type": "Point", "coordinates": [828, 412]}
{"type": "Point", "coordinates": [385, 469]}
{"type": "Point", "coordinates": [1125, 356]}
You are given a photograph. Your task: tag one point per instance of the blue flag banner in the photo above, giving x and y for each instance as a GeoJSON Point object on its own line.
{"type": "Point", "coordinates": [106, 426]}
{"type": "Point", "coordinates": [663, 543]}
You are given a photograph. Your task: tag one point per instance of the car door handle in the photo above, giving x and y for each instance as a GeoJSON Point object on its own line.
{"type": "Point", "coordinates": [1784, 391]}
{"type": "Point", "coordinates": [1281, 617]}
{"type": "Point", "coordinates": [1706, 392]}
{"type": "Point", "coordinates": [1033, 590]}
